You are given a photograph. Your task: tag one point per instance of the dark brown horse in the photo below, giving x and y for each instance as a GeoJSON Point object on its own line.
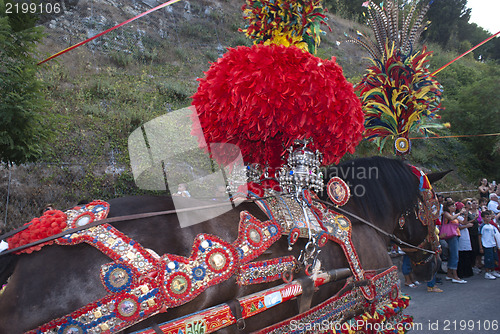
{"type": "Point", "coordinates": [57, 280]}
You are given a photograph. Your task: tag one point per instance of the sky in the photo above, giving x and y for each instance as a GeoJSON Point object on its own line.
{"type": "Point", "coordinates": [485, 13]}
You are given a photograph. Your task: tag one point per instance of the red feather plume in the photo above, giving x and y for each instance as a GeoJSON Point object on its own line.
{"type": "Point", "coordinates": [261, 98]}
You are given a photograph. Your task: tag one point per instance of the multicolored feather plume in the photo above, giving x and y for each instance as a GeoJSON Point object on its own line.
{"type": "Point", "coordinates": [398, 92]}
{"type": "Point", "coordinates": [285, 22]}
{"type": "Point", "coordinates": [385, 23]}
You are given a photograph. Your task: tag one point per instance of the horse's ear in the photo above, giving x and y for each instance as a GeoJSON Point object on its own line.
{"type": "Point", "coordinates": [434, 177]}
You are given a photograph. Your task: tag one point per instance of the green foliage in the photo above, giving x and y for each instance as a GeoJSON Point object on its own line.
{"type": "Point", "coordinates": [203, 32]}
{"type": "Point", "coordinates": [450, 28]}
{"type": "Point", "coordinates": [476, 111]}
{"type": "Point", "coordinates": [447, 17]}
{"type": "Point", "coordinates": [172, 92]}
{"type": "Point", "coordinates": [471, 105]}
{"type": "Point", "coordinates": [352, 9]}
{"type": "Point", "coordinates": [22, 130]}
{"type": "Point", "coordinates": [121, 59]}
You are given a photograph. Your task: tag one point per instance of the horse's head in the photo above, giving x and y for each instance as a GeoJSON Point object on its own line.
{"type": "Point", "coordinates": [417, 228]}
{"type": "Point", "coordinates": [385, 190]}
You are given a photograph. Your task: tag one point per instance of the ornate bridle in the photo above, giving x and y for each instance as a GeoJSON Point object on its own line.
{"type": "Point", "coordinates": [427, 212]}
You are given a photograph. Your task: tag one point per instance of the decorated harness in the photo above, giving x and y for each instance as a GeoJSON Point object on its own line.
{"type": "Point", "coordinates": [141, 283]}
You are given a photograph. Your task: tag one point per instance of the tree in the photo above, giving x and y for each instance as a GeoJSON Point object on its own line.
{"type": "Point", "coordinates": [22, 134]}
{"type": "Point", "coordinates": [448, 18]}
{"type": "Point", "coordinates": [473, 109]}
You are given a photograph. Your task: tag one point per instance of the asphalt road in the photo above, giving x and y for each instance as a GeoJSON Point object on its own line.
{"type": "Point", "coordinates": [471, 308]}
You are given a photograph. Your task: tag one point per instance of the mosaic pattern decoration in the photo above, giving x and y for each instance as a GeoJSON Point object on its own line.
{"type": "Point", "coordinates": [428, 209]}
{"type": "Point", "coordinates": [111, 313]}
{"type": "Point", "coordinates": [141, 284]}
{"type": "Point", "coordinates": [83, 215]}
{"type": "Point", "coordinates": [254, 236]}
{"type": "Point", "coordinates": [402, 145]}
{"type": "Point", "coordinates": [116, 245]}
{"type": "Point", "coordinates": [53, 222]}
{"type": "Point", "coordinates": [338, 228]}
{"type": "Point", "coordinates": [220, 316]}
{"type": "Point", "coordinates": [268, 271]}
{"type": "Point", "coordinates": [290, 214]}
{"type": "Point", "coordinates": [337, 309]}
{"type": "Point", "coordinates": [212, 261]}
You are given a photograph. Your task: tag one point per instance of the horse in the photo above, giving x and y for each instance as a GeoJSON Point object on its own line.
{"type": "Point", "coordinates": [57, 280]}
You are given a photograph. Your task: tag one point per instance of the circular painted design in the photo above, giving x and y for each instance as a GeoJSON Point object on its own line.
{"type": "Point", "coordinates": [127, 307]}
{"type": "Point", "coordinates": [198, 273]}
{"type": "Point", "coordinates": [83, 219]}
{"type": "Point", "coordinates": [217, 260]}
{"type": "Point", "coordinates": [178, 285]}
{"type": "Point", "coordinates": [71, 329]}
{"type": "Point", "coordinates": [273, 230]}
{"type": "Point", "coordinates": [343, 223]}
{"type": "Point", "coordinates": [402, 145]}
{"type": "Point", "coordinates": [394, 294]}
{"type": "Point", "coordinates": [338, 191]}
{"type": "Point", "coordinates": [119, 277]}
{"type": "Point", "coordinates": [254, 236]}
{"type": "Point", "coordinates": [287, 276]}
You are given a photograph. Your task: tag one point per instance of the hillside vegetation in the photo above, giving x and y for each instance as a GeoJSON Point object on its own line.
{"type": "Point", "coordinates": [99, 93]}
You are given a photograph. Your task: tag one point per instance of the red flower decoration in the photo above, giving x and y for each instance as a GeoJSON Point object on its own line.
{"type": "Point", "coordinates": [262, 98]}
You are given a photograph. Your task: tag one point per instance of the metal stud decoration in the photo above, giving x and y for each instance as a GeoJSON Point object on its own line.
{"type": "Point", "coordinates": [302, 169]}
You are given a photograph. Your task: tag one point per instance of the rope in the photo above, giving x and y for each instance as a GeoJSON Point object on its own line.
{"type": "Point", "coordinates": [463, 54]}
{"type": "Point", "coordinates": [118, 219]}
{"type": "Point", "coordinates": [458, 136]}
{"type": "Point", "coordinates": [457, 191]}
{"type": "Point", "coordinates": [108, 30]}
{"type": "Point", "coordinates": [391, 236]}
{"type": "Point", "coordinates": [8, 196]}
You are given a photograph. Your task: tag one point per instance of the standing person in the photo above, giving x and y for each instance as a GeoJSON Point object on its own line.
{"type": "Point", "coordinates": [450, 217]}
{"type": "Point", "coordinates": [494, 207]}
{"type": "Point", "coordinates": [488, 244]}
{"type": "Point", "coordinates": [484, 189]}
{"type": "Point", "coordinates": [431, 285]}
{"type": "Point", "coordinates": [448, 199]}
{"type": "Point", "coordinates": [440, 199]}
{"type": "Point", "coordinates": [407, 272]}
{"type": "Point", "coordinates": [444, 245]}
{"type": "Point", "coordinates": [465, 254]}
{"type": "Point", "coordinates": [474, 217]}
{"type": "Point", "coordinates": [483, 204]}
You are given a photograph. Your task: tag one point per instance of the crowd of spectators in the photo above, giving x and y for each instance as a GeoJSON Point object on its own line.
{"type": "Point", "coordinates": [475, 250]}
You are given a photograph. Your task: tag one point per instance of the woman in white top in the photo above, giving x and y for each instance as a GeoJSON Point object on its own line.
{"type": "Point", "coordinates": [465, 253]}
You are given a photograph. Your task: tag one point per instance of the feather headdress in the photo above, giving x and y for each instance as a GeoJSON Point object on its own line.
{"type": "Point", "coordinates": [398, 93]}
{"type": "Point", "coordinates": [264, 97]}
